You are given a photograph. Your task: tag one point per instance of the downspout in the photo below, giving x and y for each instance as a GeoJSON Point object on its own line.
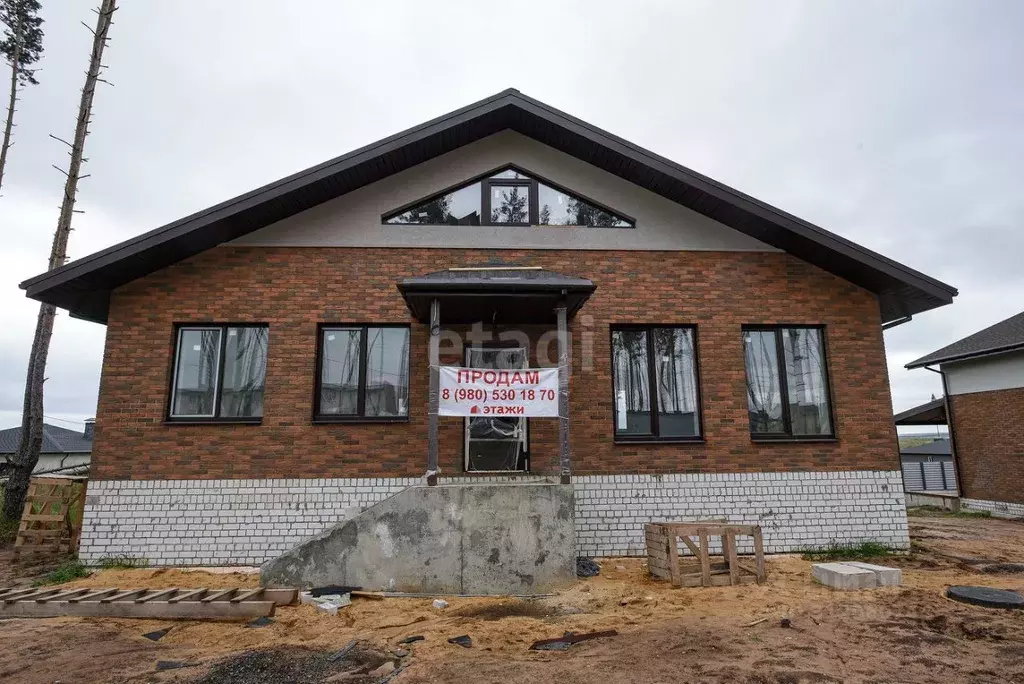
{"type": "Point", "coordinates": [949, 427]}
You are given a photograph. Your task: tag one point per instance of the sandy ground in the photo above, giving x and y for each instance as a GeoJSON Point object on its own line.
{"type": "Point", "coordinates": [906, 634]}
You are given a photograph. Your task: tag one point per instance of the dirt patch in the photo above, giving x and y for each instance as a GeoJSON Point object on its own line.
{"type": "Point", "coordinates": [295, 665]}
{"type": "Point", "coordinates": [909, 634]}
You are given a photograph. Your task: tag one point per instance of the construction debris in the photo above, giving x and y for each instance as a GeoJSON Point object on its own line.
{"type": "Point", "coordinates": [849, 575]}
{"type": "Point", "coordinates": [586, 567]}
{"type": "Point", "coordinates": [411, 639]}
{"type": "Point", "coordinates": [260, 622]}
{"type": "Point", "coordinates": [191, 604]}
{"type": "Point", "coordinates": [157, 635]}
{"type": "Point", "coordinates": [562, 643]}
{"type": "Point", "coordinates": [440, 604]}
{"type": "Point", "coordinates": [344, 651]}
{"type": "Point", "coordinates": [162, 665]}
{"type": "Point", "coordinates": [463, 641]}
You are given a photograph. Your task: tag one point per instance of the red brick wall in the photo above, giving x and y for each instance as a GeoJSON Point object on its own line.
{"type": "Point", "coordinates": [292, 289]}
{"type": "Point", "coordinates": [989, 433]}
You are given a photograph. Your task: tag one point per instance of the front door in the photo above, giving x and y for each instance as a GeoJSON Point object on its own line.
{"type": "Point", "coordinates": [496, 443]}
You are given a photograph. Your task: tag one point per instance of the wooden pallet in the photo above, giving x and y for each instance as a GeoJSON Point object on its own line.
{"type": "Point", "coordinates": [52, 517]}
{"type": "Point", "coordinates": [699, 569]}
{"type": "Point", "coordinates": [175, 603]}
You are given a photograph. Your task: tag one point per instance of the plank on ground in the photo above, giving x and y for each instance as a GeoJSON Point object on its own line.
{"type": "Point", "coordinates": [190, 610]}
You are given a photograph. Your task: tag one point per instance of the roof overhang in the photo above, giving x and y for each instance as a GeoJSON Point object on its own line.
{"type": "Point", "coordinates": [84, 286]}
{"type": "Point", "coordinates": [932, 413]}
{"type": "Point", "coordinates": [499, 295]}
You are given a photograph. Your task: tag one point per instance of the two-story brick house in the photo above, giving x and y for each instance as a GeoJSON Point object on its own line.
{"type": "Point", "coordinates": [267, 360]}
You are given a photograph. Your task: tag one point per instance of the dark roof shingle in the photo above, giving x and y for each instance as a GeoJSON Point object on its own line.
{"type": "Point", "coordinates": [84, 286]}
{"type": "Point", "coordinates": [56, 440]}
{"type": "Point", "coordinates": [1003, 336]}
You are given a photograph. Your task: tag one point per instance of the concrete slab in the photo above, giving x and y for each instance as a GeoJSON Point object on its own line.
{"type": "Point", "coordinates": [456, 539]}
{"type": "Point", "coordinates": [885, 576]}
{"type": "Point", "coordinates": [843, 577]}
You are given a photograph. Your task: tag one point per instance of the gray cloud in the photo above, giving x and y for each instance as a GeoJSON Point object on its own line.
{"type": "Point", "coordinates": [897, 125]}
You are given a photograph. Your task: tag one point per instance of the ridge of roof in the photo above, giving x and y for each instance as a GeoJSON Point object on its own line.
{"type": "Point", "coordinates": [1005, 336]}
{"type": "Point", "coordinates": [83, 286]}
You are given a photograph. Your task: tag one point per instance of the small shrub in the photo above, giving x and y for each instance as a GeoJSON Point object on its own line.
{"type": "Point", "coordinates": [124, 562]}
{"type": "Point", "coordinates": [71, 570]}
{"type": "Point", "coordinates": [837, 551]}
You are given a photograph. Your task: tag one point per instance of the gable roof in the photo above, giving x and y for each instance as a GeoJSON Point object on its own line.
{"type": "Point", "coordinates": [84, 286]}
{"type": "Point", "coordinates": [56, 440]}
{"type": "Point", "coordinates": [1004, 336]}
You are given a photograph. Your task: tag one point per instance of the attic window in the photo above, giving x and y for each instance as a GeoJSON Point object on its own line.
{"type": "Point", "coordinates": [508, 197]}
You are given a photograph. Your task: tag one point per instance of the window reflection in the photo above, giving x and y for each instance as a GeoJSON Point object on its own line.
{"type": "Point", "coordinates": [458, 208]}
{"type": "Point", "coordinates": [510, 204]}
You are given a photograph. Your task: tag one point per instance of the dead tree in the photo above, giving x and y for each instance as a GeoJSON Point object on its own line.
{"type": "Point", "coordinates": [32, 413]}
{"type": "Point", "coordinates": [22, 45]}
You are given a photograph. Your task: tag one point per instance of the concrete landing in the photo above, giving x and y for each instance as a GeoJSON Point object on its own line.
{"type": "Point", "coordinates": [456, 539]}
{"type": "Point", "coordinates": [849, 575]}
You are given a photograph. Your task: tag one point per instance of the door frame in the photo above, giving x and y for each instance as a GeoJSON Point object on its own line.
{"type": "Point", "coordinates": [501, 344]}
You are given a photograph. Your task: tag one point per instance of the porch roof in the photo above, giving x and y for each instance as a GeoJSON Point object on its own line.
{"type": "Point", "coordinates": [932, 413]}
{"type": "Point", "coordinates": [495, 294]}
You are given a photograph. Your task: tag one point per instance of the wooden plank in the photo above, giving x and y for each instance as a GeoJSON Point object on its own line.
{"type": "Point", "coordinates": [94, 595]}
{"type": "Point", "coordinates": [44, 517]}
{"type": "Point", "coordinates": [729, 540]}
{"type": "Point", "coordinates": [246, 595]}
{"type": "Point", "coordinates": [705, 562]}
{"type": "Point", "coordinates": [163, 594]}
{"type": "Point", "coordinates": [194, 595]}
{"type": "Point", "coordinates": [123, 595]}
{"type": "Point", "coordinates": [690, 545]}
{"type": "Point", "coordinates": [64, 595]}
{"type": "Point", "coordinates": [217, 595]}
{"type": "Point", "coordinates": [281, 597]}
{"type": "Point", "coordinates": [372, 595]}
{"type": "Point", "coordinates": [716, 581]}
{"type": "Point", "coordinates": [759, 555]}
{"type": "Point", "coordinates": [673, 559]}
{"type": "Point", "coordinates": [16, 593]}
{"type": "Point", "coordinates": [158, 610]}
{"type": "Point", "coordinates": [745, 567]}
{"type": "Point", "coordinates": [34, 594]}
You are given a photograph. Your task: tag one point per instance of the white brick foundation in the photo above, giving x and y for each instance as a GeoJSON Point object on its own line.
{"type": "Point", "coordinates": [998, 509]}
{"type": "Point", "coordinates": [246, 522]}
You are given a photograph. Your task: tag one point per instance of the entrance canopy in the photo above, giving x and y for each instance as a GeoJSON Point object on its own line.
{"type": "Point", "coordinates": [932, 413]}
{"type": "Point", "coordinates": [495, 294]}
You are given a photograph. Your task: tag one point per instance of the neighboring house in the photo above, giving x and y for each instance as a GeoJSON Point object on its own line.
{"type": "Point", "coordinates": [928, 467]}
{"type": "Point", "coordinates": [983, 381]}
{"type": "Point", "coordinates": [64, 451]}
{"type": "Point", "coordinates": [267, 359]}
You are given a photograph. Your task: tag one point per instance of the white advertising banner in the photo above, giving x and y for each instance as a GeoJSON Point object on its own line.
{"type": "Point", "coordinates": [532, 393]}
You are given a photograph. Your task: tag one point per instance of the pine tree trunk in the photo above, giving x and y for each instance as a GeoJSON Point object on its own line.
{"type": "Point", "coordinates": [12, 99]}
{"type": "Point", "coordinates": [27, 456]}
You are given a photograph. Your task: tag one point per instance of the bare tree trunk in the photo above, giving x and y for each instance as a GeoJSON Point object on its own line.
{"type": "Point", "coordinates": [32, 418]}
{"type": "Point", "coordinates": [15, 70]}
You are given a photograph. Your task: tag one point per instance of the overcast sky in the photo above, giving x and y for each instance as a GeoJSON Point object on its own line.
{"type": "Point", "coordinates": [899, 125]}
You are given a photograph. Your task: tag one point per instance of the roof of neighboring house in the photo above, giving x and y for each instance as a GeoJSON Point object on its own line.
{"type": "Point", "coordinates": [939, 447]}
{"type": "Point", "coordinates": [56, 440]}
{"type": "Point", "coordinates": [1004, 336]}
{"type": "Point", "coordinates": [932, 413]}
{"type": "Point", "coordinates": [84, 286]}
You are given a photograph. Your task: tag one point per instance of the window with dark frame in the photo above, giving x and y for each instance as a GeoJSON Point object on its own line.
{"type": "Point", "coordinates": [219, 373]}
{"type": "Point", "coordinates": [509, 197]}
{"type": "Point", "coordinates": [787, 382]}
{"type": "Point", "coordinates": [655, 384]}
{"type": "Point", "coordinates": [362, 373]}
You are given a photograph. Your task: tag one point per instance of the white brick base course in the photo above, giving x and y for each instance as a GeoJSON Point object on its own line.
{"type": "Point", "coordinates": [246, 522]}
{"type": "Point", "coordinates": [998, 509]}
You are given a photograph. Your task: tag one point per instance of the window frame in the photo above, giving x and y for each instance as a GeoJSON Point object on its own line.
{"type": "Point", "coordinates": [358, 417]}
{"type": "Point", "coordinates": [780, 353]}
{"type": "Point", "coordinates": [216, 418]}
{"type": "Point", "coordinates": [654, 437]}
{"type": "Point", "coordinates": [486, 181]}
